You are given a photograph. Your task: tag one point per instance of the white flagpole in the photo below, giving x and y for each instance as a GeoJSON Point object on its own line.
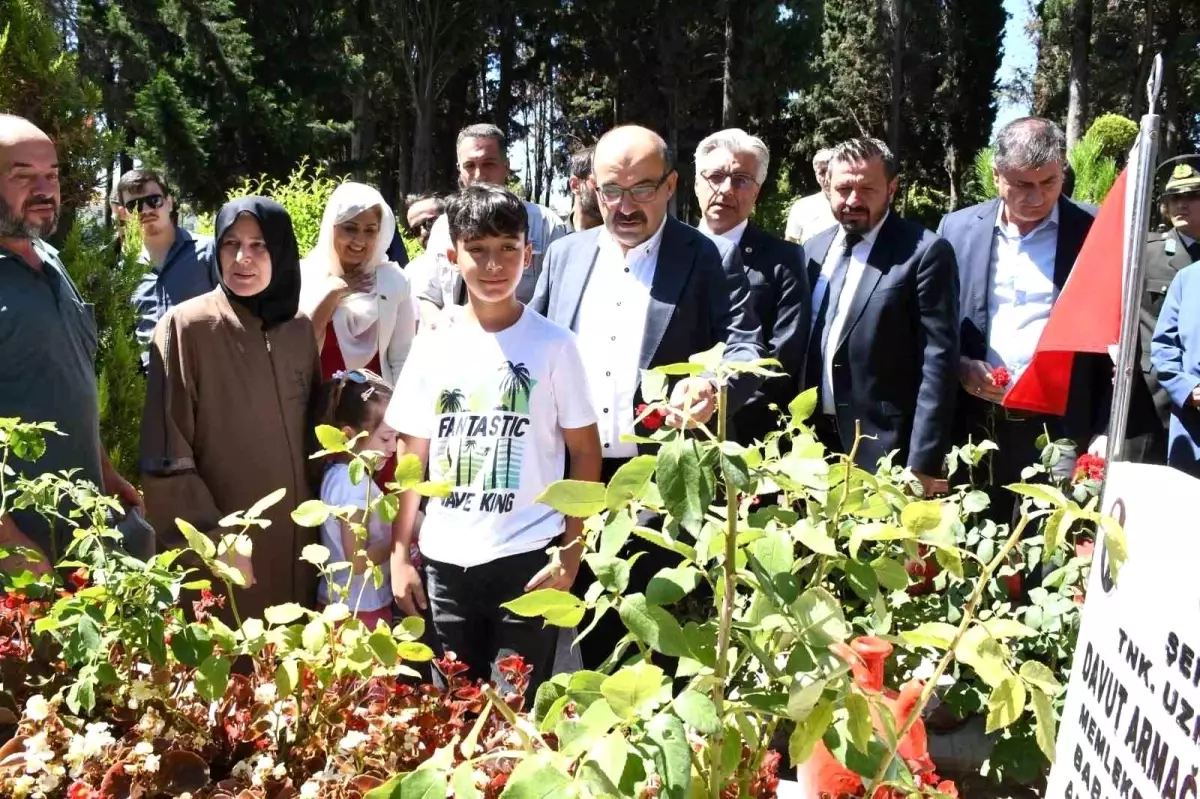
{"type": "Point", "coordinates": [1138, 189]}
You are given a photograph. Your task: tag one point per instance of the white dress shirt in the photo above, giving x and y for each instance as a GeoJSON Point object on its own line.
{"type": "Point", "coordinates": [1022, 291]}
{"type": "Point", "coordinates": [734, 234]}
{"type": "Point", "coordinates": [809, 216]}
{"type": "Point", "coordinates": [612, 321]}
{"type": "Point", "coordinates": [858, 262]}
{"type": "Point", "coordinates": [1187, 240]}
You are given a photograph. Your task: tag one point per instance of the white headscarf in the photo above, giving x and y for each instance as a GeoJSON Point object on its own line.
{"type": "Point", "coordinates": [356, 319]}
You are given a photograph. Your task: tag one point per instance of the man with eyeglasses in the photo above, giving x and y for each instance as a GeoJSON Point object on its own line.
{"type": "Point", "coordinates": [640, 291]}
{"type": "Point", "coordinates": [482, 158]}
{"type": "Point", "coordinates": [731, 166]}
{"type": "Point", "coordinates": [181, 263]}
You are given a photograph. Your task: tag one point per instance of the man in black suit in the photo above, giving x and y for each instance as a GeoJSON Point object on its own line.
{"type": "Point", "coordinates": [731, 166]}
{"type": "Point", "coordinates": [640, 291]}
{"type": "Point", "coordinates": [884, 345]}
{"type": "Point", "coordinates": [1014, 256]}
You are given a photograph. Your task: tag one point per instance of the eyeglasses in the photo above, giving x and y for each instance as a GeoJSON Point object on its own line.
{"type": "Point", "coordinates": [612, 194]}
{"type": "Point", "coordinates": [151, 201]}
{"type": "Point", "coordinates": [739, 181]}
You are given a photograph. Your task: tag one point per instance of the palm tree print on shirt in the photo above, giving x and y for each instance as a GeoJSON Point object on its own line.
{"type": "Point", "coordinates": [515, 386]}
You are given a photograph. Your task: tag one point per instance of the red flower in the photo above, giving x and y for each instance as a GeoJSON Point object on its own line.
{"type": "Point", "coordinates": [1089, 467]}
{"type": "Point", "coordinates": [207, 601]}
{"type": "Point", "coordinates": [81, 790]}
{"type": "Point", "coordinates": [653, 420]}
{"type": "Point", "coordinates": [79, 579]}
{"type": "Point", "coordinates": [1000, 377]}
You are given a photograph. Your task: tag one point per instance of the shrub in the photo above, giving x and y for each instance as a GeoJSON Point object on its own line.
{"type": "Point", "coordinates": [925, 205]}
{"type": "Point", "coordinates": [1114, 135]}
{"type": "Point", "coordinates": [1095, 173]}
{"type": "Point", "coordinates": [982, 184]}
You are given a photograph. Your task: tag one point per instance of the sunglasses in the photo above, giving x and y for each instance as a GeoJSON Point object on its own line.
{"type": "Point", "coordinates": [151, 201]}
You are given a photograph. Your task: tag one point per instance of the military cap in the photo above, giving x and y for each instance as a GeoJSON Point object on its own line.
{"type": "Point", "coordinates": [1185, 179]}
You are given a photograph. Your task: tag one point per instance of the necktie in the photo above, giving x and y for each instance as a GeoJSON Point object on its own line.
{"type": "Point", "coordinates": [825, 314]}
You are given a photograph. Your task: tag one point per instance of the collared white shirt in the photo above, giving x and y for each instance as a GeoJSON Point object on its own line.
{"type": "Point", "coordinates": [809, 216]}
{"type": "Point", "coordinates": [1185, 239]}
{"type": "Point", "coordinates": [734, 234]}
{"type": "Point", "coordinates": [612, 322]}
{"type": "Point", "coordinates": [1022, 290]}
{"type": "Point", "coordinates": [858, 262]}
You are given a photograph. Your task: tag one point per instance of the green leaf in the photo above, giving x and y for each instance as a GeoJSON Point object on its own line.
{"type": "Point", "coordinates": [674, 759]}
{"type": "Point", "coordinates": [462, 782]}
{"type": "Point", "coordinates": [1044, 726]}
{"type": "Point", "coordinates": [861, 579]}
{"type": "Point", "coordinates": [653, 626]}
{"type": "Point", "coordinates": [654, 386]}
{"type": "Point", "coordinates": [922, 516]}
{"type": "Point", "coordinates": [584, 687]}
{"type": "Point", "coordinates": [679, 369]}
{"type": "Point", "coordinates": [698, 710]}
{"type": "Point", "coordinates": [287, 677]}
{"type": "Point", "coordinates": [557, 607]}
{"type": "Point", "coordinates": [191, 645]}
{"type": "Point", "coordinates": [576, 498]}
{"type": "Point", "coordinates": [891, 574]}
{"type": "Point", "coordinates": [773, 552]}
{"type": "Point", "coordinates": [632, 689]}
{"type": "Point", "coordinates": [383, 647]}
{"type": "Point", "coordinates": [1006, 704]}
{"type": "Point", "coordinates": [212, 678]}
{"type": "Point", "coordinates": [976, 502]}
{"type": "Point", "coordinates": [424, 783]}
{"type": "Point", "coordinates": [681, 482]}
{"type": "Point", "coordinates": [358, 471]}
{"type": "Point", "coordinates": [821, 618]}
{"type": "Point", "coordinates": [862, 730]}
{"type": "Point", "coordinates": [414, 652]}
{"type": "Point", "coordinates": [936, 634]}
{"type": "Point", "coordinates": [608, 757]}
{"type": "Point", "coordinates": [815, 538]}
{"type": "Point", "coordinates": [315, 635]}
{"type": "Point", "coordinates": [258, 508]}
{"type": "Point", "coordinates": [1001, 629]}
{"type": "Point", "coordinates": [311, 513]}
{"type": "Point", "coordinates": [1039, 493]}
{"type": "Point", "coordinates": [985, 654]}
{"type": "Point", "coordinates": [611, 573]}
{"type": "Point", "coordinates": [807, 732]}
{"type": "Point", "coordinates": [1115, 545]}
{"type": "Point", "coordinates": [735, 471]}
{"type": "Point", "coordinates": [89, 635]}
{"type": "Point", "coordinates": [615, 533]}
{"type": "Point", "coordinates": [629, 481]}
{"type": "Point", "coordinates": [801, 409]}
{"type": "Point", "coordinates": [535, 778]}
{"type": "Point", "coordinates": [315, 554]}
{"type": "Point", "coordinates": [1039, 678]}
{"type": "Point", "coordinates": [710, 359]}
{"type": "Point", "coordinates": [409, 471]}
{"type": "Point", "coordinates": [803, 695]}
{"type": "Point", "coordinates": [286, 613]}
{"type": "Point", "coordinates": [331, 439]}
{"type": "Point", "coordinates": [861, 761]}
{"type": "Point", "coordinates": [202, 544]}
{"type": "Point", "coordinates": [672, 584]}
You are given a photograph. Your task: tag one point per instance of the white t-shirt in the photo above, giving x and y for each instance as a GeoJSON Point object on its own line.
{"type": "Point", "coordinates": [337, 489]}
{"type": "Point", "coordinates": [493, 406]}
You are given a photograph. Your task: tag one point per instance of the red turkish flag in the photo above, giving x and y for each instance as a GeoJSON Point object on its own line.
{"type": "Point", "coordinates": [1085, 318]}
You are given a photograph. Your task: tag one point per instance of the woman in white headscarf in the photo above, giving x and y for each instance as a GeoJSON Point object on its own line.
{"type": "Point", "coordinates": [359, 302]}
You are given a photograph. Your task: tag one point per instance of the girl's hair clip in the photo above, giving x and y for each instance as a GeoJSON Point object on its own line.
{"type": "Point", "coordinates": [366, 395]}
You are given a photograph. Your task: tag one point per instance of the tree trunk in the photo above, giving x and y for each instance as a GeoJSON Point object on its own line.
{"type": "Point", "coordinates": [359, 148]}
{"type": "Point", "coordinates": [728, 116]}
{"type": "Point", "coordinates": [1077, 89]}
{"type": "Point", "coordinates": [403, 158]}
{"type": "Point", "coordinates": [506, 46]}
{"type": "Point", "coordinates": [952, 169]}
{"type": "Point", "coordinates": [422, 151]}
{"type": "Point", "coordinates": [1137, 92]}
{"type": "Point", "coordinates": [896, 9]}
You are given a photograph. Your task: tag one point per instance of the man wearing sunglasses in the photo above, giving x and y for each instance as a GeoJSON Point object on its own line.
{"type": "Point", "coordinates": [731, 166]}
{"type": "Point", "coordinates": [181, 264]}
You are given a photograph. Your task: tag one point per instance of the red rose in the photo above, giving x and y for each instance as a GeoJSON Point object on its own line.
{"type": "Point", "coordinates": [1001, 377]}
{"type": "Point", "coordinates": [1089, 467]}
{"type": "Point", "coordinates": [653, 420]}
{"type": "Point", "coordinates": [79, 578]}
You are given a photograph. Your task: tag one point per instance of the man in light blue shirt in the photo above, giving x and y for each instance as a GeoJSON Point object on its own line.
{"type": "Point", "coordinates": [1023, 290]}
{"type": "Point", "coordinates": [181, 264]}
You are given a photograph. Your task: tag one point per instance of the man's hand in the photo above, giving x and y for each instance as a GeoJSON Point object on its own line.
{"type": "Point", "coordinates": [117, 486]}
{"type": "Point", "coordinates": [407, 587]}
{"type": "Point", "coordinates": [559, 573]}
{"type": "Point", "coordinates": [11, 538]}
{"type": "Point", "coordinates": [976, 378]}
{"type": "Point", "coordinates": [693, 401]}
{"type": "Point", "coordinates": [1194, 399]}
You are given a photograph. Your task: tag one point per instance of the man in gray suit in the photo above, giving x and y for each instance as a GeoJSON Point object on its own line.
{"type": "Point", "coordinates": [644, 290]}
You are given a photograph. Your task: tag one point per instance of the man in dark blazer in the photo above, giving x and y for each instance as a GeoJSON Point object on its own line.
{"type": "Point", "coordinates": [731, 166]}
{"type": "Point", "coordinates": [644, 290]}
{"type": "Point", "coordinates": [884, 343]}
{"type": "Point", "coordinates": [1014, 256]}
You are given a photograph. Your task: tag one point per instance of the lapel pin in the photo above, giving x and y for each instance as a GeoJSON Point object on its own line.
{"type": "Point", "coordinates": [749, 249]}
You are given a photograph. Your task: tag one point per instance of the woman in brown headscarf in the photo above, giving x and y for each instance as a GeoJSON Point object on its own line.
{"type": "Point", "coordinates": [227, 419]}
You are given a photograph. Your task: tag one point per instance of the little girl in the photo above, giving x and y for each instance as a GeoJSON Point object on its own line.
{"type": "Point", "coordinates": [354, 402]}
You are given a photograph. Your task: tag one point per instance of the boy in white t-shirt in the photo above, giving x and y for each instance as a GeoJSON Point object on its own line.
{"type": "Point", "coordinates": [496, 404]}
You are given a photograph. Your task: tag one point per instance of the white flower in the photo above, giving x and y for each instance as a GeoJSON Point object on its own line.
{"type": "Point", "coordinates": [185, 795]}
{"type": "Point", "coordinates": [279, 772]}
{"type": "Point", "coordinates": [143, 748]}
{"type": "Point", "coordinates": [38, 754]}
{"type": "Point", "coordinates": [309, 790]}
{"type": "Point", "coordinates": [37, 708]}
{"type": "Point", "coordinates": [265, 693]}
{"type": "Point", "coordinates": [48, 781]}
{"type": "Point", "coordinates": [22, 786]}
{"type": "Point", "coordinates": [151, 764]}
{"type": "Point", "coordinates": [151, 723]}
{"type": "Point", "coordinates": [243, 770]}
{"type": "Point", "coordinates": [353, 740]}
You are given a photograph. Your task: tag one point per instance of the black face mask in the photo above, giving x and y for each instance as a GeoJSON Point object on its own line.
{"type": "Point", "coordinates": [280, 300]}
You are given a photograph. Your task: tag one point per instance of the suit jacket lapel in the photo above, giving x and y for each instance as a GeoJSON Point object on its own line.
{"type": "Point", "coordinates": [880, 256]}
{"type": "Point", "coordinates": [676, 259]}
{"type": "Point", "coordinates": [575, 279]}
{"type": "Point", "coordinates": [817, 250]}
{"type": "Point", "coordinates": [976, 266]}
{"type": "Point", "coordinates": [750, 245]}
{"type": "Point", "coordinates": [1073, 226]}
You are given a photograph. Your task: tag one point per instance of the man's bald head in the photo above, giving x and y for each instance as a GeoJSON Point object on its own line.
{"type": "Point", "coordinates": [633, 176]}
{"type": "Point", "coordinates": [29, 191]}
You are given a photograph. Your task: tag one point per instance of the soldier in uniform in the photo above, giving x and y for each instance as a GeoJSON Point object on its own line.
{"type": "Point", "coordinates": [1167, 251]}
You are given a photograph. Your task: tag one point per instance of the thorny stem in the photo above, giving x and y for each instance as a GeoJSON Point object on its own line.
{"type": "Point", "coordinates": [944, 663]}
{"type": "Point", "coordinates": [729, 589]}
